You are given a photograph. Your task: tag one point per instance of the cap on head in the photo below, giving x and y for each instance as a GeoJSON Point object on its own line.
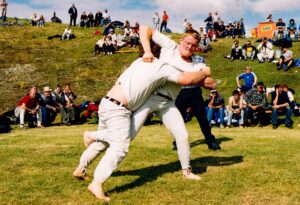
{"type": "Point", "coordinates": [47, 89]}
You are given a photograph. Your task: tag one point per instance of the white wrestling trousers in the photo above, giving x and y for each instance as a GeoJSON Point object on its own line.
{"type": "Point", "coordinates": [171, 118]}
{"type": "Point", "coordinates": [116, 121]}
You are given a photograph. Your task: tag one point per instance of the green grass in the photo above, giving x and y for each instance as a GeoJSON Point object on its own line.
{"type": "Point", "coordinates": [255, 166]}
{"type": "Point", "coordinates": [27, 57]}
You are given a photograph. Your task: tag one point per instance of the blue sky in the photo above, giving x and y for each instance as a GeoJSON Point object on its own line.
{"type": "Point", "coordinates": [196, 11]}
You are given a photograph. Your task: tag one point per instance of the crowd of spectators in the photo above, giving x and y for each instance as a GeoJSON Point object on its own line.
{"type": "Point", "coordinates": [41, 109]}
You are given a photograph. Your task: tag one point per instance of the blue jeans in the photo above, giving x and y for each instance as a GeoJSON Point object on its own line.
{"type": "Point", "coordinates": [211, 111]}
{"type": "Point", "coordinates": [288, 113]}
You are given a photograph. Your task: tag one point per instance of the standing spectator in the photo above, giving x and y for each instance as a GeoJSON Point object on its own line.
{"type": "Point", "coordinates": [191, 97]}
{"type": "Point", "coordinates": [215, 105]}
{"type": "Point", "coordinates": [248, 51]}
{"type": "Point", "coordinates": [41, 21]}
{"type": "Point", "coordinates": [49, 106]}
{"type": "Point", "coordinates": [236, 109]}
{"type": "Point", "coordinates": [280, 31]}
{"type": "Point", "coordinates": [256, 101]}
{"type": "Point", "coordinates": [98, 18]}
{"type": "Point", "coordinates": [73, 15]}
{"type": "Point", "coordinates": [249, 78]}
{"type": "Point", "coordinates": [209, 22]}
{"type": "Point", "coordinates": [106, 18]}
{"type": "Point", "coordinates": [4, 5]}
{"type": "Point", "coordinates": [216, 20]}
{"type": "Point", "coordinates": [205, 43]}
{"type": "Point", "coordinates": [63, 105]}
{"type": "Point", "coordinates": [265, 51]}
{"type": "Point", "coordinates": [164, 23]}
{"type": "Point", "coordinates": [286, 60]}
{"type": "Point", "coordinates": [29, 105]}
{"type": "Point", "coordinates": [156, 21]}
{"type": "Point", "coordinates": [280, 101]}
{"type": "Point", "coordinates": [292, 30]}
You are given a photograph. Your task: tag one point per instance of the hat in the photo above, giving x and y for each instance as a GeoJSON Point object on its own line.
{"type": "Point", "coordinates": [239, 89]}
{"type": "Point", "coordinates": [229, 22]}
{"type": "Point", "coordinates": [260, 84]}
{"type": "Point", "coordinates": [111, 30]}
{"type": "Point", "coordinates": [47, 89]}
{"type": "Point", "coordinates": [213, 91]}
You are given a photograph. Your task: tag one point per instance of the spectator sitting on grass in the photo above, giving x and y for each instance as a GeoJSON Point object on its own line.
{"type": "Point", "coordinates": [98, 18]}
{"type": "Point", "coordinates": [236, 109]}
{"type": "Point", "coordinates": [68, 34]}
{"type": "Point", "coordinates": [100, 46]}
{"type": "Point", "coordinates": [229, 30]}
{"type": "Point", "coordinates": [292, 30]}
{"type": "Point", "coordinates": [236, 51]}
{"type": "Point", "coordinates": [90, 20]}
{"type": "Point", "coordinates": [248, 51]}
{"type": "Point", "coordinates": [280, 101]}
{"type": "Point", "coordinates": [256, 101]}
{"type": "Point", "coordinates": [34, 19]}
{"type": "Point", "coordinates": [250, 80]}
{"type": "Point", "coordinates": [205, 43]}
{"type": "Point", "coordinates": [265, 51]}
{"type": "Point", "coordinates": [109, 48]}
{"type": "Point", "coordinates": [221, 31]}
{"type": "Point", "coordinates": [67, 112]}
{"type": "Point", "coordinates": [293, 103]}
{"type": "Point", "coordinates": [286, 60]}
{"type": "Point", "coordinates": [134, 38]}
{"type": "Point", "coordinates": [29, 105]}
{"type": "Point", "coordinates": [83, 19]}
{"type": "Point", "coordinates": [41, 21]}
{"type": "Point", "coordinates": [121, 39]}
{"type": "Point", "coordinates": [113, 37]}
{"type": "Point", "coordinates": [216, 104]}
{"type": "Point", "coordinates": [280, 31]}
{"type": "Point", "coordinates": [49, 106]}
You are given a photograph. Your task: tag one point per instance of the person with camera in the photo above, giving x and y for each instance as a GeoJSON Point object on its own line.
{"type": "Point", "coordinates": [265, 51]}
{"type": "Point", "coordinates": [280, 101]}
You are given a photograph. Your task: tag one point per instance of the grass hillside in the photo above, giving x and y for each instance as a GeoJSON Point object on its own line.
{"type": "Point", "coordinates": [28, 57]}
{"type": "Point", "coordinates": [256, 166]}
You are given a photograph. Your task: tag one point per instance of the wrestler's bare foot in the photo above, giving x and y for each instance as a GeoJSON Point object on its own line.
{"type": "Point", "coordinates": [97, 190]}
{"type": "Point", "coordinates": [88, 138]}
{"type": "Point", "coordinates": [80, 173]}
{"type": "Point", "coordinates": [188, 174]}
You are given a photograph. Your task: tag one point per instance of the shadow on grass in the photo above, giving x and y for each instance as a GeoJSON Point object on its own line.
{"type": "Point", "coordinates": [202, 141]}
{"type": "Point", "coordinates": [149, 174]}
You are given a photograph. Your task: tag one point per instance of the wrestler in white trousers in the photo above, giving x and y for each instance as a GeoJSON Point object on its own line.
{"type": "Point", "coordinates": [168, 113]}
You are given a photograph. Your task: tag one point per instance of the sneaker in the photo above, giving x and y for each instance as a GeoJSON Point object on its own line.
{"type": "Point", "coordinates": [221, 126]}
{"type": "Point", "coordinates": [40, 126]}
{"type": "Point", "coordinates": [290, 126]}
{"type": "Point", "coordinates": [275, 127]}
{"type": "Point", "coordinates": [22, 126]}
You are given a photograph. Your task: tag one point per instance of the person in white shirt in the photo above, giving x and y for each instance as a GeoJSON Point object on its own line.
{"type": "Point", "coordinates": [286, 60]}
{"type": "Point", "coordinates": [236, 109]}
{"type": "Point", "coordinates": [156, 21]}
{"type": "Point", "coordinates": [265, 51]}
{"type": "Point", "coordinates": [67, 33]}
{"type": "Point", "coordinates": [129, 93]}
{"type": "Point", "coordinates": [106, 18]}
